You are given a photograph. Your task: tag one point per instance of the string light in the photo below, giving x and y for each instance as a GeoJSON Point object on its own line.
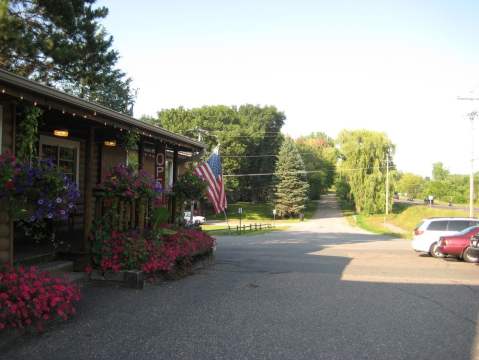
{"type": "Point", "coordinates": [85, 116]}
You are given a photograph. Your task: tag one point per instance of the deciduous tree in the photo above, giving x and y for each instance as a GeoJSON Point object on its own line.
{"type": "Point", "coordinates": [364, 155]}
{"type": "Point", "coordinates": [246, 135]}
{"type": "Point", "coordinates": [319, 156]}
{"type": "Point", "coordinates": [410, 184]}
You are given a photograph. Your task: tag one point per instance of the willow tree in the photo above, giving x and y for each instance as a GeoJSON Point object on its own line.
{"type": "Point", "coordinates": [365, 155]}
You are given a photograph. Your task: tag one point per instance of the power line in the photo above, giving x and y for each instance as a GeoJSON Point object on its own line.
{"type": "Point", "coordinates": [302, 172]}
{"type": "Point", "coordinates": [258, 156]}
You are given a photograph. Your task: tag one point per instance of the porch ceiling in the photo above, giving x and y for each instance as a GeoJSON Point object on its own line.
{"type": "Point", "coordinates": [27, 90]}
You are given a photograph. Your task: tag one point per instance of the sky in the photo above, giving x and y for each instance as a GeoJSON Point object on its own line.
{"type": "Point", "coordinates": [391, 66]}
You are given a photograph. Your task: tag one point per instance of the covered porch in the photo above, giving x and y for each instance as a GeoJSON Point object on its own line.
{"type": "Point", "coordinates": [85, 140]}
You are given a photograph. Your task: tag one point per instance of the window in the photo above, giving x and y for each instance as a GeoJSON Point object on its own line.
{"type": "Point", "coordinates": [438, 226]}
{"type": "Point", "coordinates": [458, 225]}
{"type": "Point", "coordinates": [63, 153]}
{"type": "Point", "coordinates": [169, 173]}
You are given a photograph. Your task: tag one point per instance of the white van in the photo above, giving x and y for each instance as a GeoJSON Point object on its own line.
{"type": "Point", "coordinates": [427, 232]}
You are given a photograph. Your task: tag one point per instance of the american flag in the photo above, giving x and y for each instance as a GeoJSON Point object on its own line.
{"type": "Point", "coordinates": [211, 172]}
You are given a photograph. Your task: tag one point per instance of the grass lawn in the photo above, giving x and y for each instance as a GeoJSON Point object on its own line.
{"type": "Point", "coordinates": [404, 216]}
{"type": "Point", "coordinates": [260, 212]}
{"type": "Point", "coordinates": [410, 217]}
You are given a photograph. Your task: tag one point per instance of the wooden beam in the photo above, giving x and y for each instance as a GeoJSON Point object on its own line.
{"type": "Point", "coordinates": [141, 154]}
{"type": "Point", "coordinates": [88, 191]}
{"type": "Point", "coordinates": [175, 178]}
{"type": "Point", "coordinates": [14, 147]}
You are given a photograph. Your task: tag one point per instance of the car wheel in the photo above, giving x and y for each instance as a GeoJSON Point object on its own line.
{"type": "Point", "coordinates": [434, 251]}
{"type": "Point", "coordinates": [469, 257]}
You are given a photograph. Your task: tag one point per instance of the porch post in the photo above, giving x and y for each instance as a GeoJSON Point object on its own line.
{"type": "Point", "coordinates": [6, 223]}
{"type": "Point", "coordinates": [141, 154]}
{"type": "Point", "coordinates": [88, 191]}
{"type": "Point", "coordinates": [175, 178]}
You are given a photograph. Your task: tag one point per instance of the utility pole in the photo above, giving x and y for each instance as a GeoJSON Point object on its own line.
{"type": "Point", "coordinates": [387, 184]}
{"type": "Point", "coordinates": [472, 115]}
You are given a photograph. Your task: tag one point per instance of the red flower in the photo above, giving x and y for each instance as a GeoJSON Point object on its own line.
{"type": "Point", "coordinates": [29, 297]}
{"type": "Point", "coordinates": [9, 184]}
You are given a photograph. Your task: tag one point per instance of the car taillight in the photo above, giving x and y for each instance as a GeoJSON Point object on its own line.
{"type": "Point", "coordinates": [418, 232]}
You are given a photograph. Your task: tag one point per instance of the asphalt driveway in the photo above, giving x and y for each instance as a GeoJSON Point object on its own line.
{"type": "Point", "coordinates": [321, 290]}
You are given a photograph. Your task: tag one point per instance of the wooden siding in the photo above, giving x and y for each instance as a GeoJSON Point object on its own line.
{"type": "Point", "coordinates": [6, 229]}
{"type": "Point", "coordinates": [110, 157]}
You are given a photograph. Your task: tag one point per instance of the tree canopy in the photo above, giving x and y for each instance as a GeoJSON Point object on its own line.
{"type": "Point", "coordinates": [63, 44]}
{"type": "Point", "coordinates": [410, 184]}
{"type": "Point", "coordinates": [363, 166]}
{"type": "Point", "coordinates": [319, 156]}
{"type": "Point", "coordinates": [249, 138]}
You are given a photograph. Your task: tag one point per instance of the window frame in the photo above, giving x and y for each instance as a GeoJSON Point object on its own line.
{"type": "Point", "coordinates": [66, 143]}
{"type": "Point", "coordinates": [451, 223]}
{"type": "Point", "coordinates": [436, 222]}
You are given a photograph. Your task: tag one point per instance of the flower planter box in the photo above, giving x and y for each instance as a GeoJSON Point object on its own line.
{"type": "Point", "coordinates": [135, 279]}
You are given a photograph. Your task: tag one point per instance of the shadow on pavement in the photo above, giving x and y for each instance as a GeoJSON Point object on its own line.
{"type": "Point", "coordinates": [268, 298]}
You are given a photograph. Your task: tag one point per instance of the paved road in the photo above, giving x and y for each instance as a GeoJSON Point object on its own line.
{"type": "Point", "coordinates": [437, 206]}
{"type": "Point", "coordinates": [322, 290]}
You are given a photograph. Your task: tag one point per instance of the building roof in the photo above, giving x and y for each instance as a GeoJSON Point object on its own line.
{"type": "Point", "coordinates": [21, 87]}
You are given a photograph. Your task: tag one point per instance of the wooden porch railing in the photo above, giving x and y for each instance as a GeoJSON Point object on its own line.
{"type": "Point", "coordinates": [125, 214]}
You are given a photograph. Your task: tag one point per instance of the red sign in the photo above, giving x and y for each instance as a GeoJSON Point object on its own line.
{"type": "Point", "coordinates": [160, 161]}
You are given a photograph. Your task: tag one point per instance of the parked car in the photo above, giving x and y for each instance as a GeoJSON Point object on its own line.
{"type": "Point", "coordinates": [459, 245]}
{"type": "Point", "coordinates": [427, 232]}
{"type": "Point", "coordinates": [196, 218]}
{"type": "Point", "coordinates": [473, 251]}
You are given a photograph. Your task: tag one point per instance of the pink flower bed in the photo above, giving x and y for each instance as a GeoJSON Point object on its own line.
{"type": "Point", "coordinates": [30, 297]}
{"type": "Point", "coordinates": [127, 251]}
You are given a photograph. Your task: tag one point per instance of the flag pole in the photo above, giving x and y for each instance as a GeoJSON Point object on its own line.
{"type": "Point", "coordinates": [224, 210]}
{"type": "Point", "coordinates": [226, 217]}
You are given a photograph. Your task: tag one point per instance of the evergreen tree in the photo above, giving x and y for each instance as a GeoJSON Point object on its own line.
{"type": "Point", "coordinates": [292, 186]}
{"type": "Point", "coordinates": [62, 44]}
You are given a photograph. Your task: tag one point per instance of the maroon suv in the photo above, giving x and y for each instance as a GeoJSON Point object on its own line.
{"type": "Point", "coordinates": [459, 245]}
